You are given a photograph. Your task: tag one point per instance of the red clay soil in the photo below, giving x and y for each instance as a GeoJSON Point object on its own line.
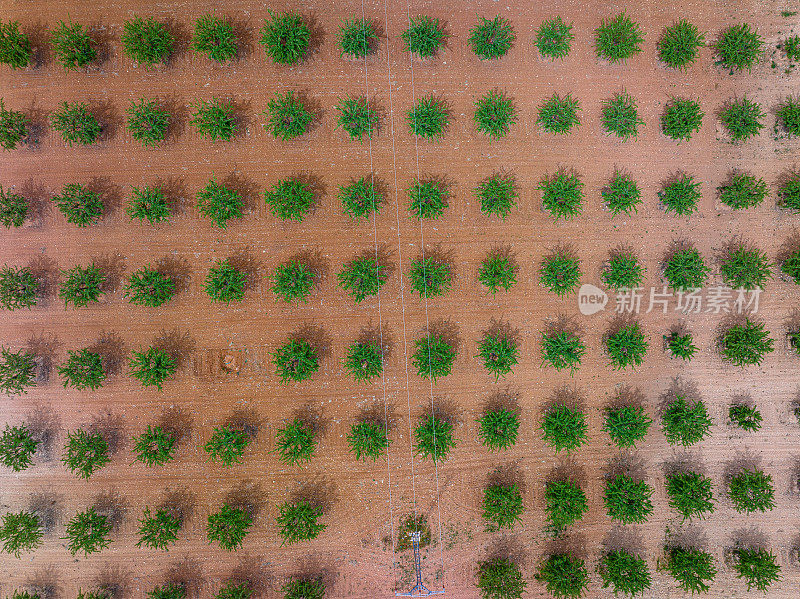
{"type": "Point", "coordinates": [364, 501]}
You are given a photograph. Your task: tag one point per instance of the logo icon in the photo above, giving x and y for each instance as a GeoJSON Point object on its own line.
{"type": "Point", "coordinates": [591, 299]}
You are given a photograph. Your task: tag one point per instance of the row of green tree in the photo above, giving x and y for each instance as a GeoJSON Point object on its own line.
{"type": "Point", "coordinates": [563, 427]}
{"type": "Point", "coordinates": [625, 346]}
{"type": "Point", "coordinates": [287, 38]}
{"type": "Point", "coordinates": [297, 587]}
{"type": "Point", "coordinates": [290, 115]}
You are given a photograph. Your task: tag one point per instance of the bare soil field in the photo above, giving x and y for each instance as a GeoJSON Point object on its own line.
{"type": "Point", "coordinates": [365, 501]}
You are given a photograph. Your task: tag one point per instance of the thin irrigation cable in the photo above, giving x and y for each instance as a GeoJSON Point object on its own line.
{"type": "Point", "coordinates": [400, 258]}
{"type": "Point", "coordinates": [427, 316]}
{"type": "Point", "coordinates": [380, 313]}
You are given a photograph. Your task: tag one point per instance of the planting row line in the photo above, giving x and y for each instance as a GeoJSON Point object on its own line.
{"type": "Point", "coordinates": [625, 346]}
{"type": "Point", "coordinates": [290, 115]}
{"type": "Point", "coordinates": [627, 500]}
{"type": "Point", "coordinates": [563, 575]}
{"type": "Point", "coordinates": [289, 38]}
{"type": "Point", "coordinates": [293, 198]}
{"type": "Point", "coordinates": [743, 268]}
{"type": "Point", "coordinates": [684, 421]}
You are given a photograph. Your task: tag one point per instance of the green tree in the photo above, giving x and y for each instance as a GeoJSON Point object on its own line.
{"type": "Point", "coordinates": [227, 444]}
{"type": "Point", "coordinates": [13, 209]}
{"type": "Point", "coordinates": [564, 428]}
{"type": "Point", "coordinates": [214, 37]}
{"type": "Point", "coordinates": [155, 446]}
{"type": "Point", "coordinates": [290, 199]}
{"type": "Point", "coordinates": [169, 590]}
{"type": "Point", "coordinates": [751, 490]}
{"type": "Point", "coordinates": [691, 568]}
{"type": "Point", "coordinates": [296, 361]}
{"type": "Point", "coordinates": [626, 425]}
{"type": "Point", "coordinates": [498, 428]}
{"type": "Point", "coordinates": [757, 567]}
{"type": "Point", "coordinates": [623, 271]}
{"type": "Point", "coordinates": [559, 114]}
{"type": "Point", "coordinates": [293, 281]}
{"type": "Point", "coordinates": [562, 349]}
{"type": "Point", "coordinates": [214, 119]}
{"type": "Point", "coordinates": [86, 452]}
{"type": "Point", "coordinates": [235, 590]}
{"type": "Point", "coordinates": [17, 447]}
{"type": "Point", "coordinates": [17, 371]}
{"type": "Point", "coordinates": [625, 573]}
{"type": "Point", "coordinates": [738, 48]}
{"type": "Point", "coordinates": [497, 271]}
{"type": "Point", "coordinates": [681, 118]}
{"type": "Point", "coordinates": [73, 46]}
{"type": "Point", "coordinates": [13, 126]}
{"type": "Point", "coordinates": [502, 505]}
{"type": "Point", "coordinates": [433, 357]}
{"type": "Point", "coordinates": [690, 494]}
{"type": "Point", "coordinates": [360, 198]}
{"type": "Point", "coordinates": [491, 38]}
{"type": "Point", "coordinates": [745, 267]}
{"type": "Point", "coordinates": [287, 116]}
{"type": "Point", "coordinates": [787, 117]}
{"type": "Point", "coordinates": [427, 198]}
{"type": "Point", "coordinates": [746, 344]}
{"type": "Point", "coordinates": [554, 38]}
{"type": "Point", "coordinates": [219, 203]}
{"type": "Point", "coordinates": [229, 526]}
{"type": "Point", "coordinates": [562, 195]}
{"type": "Point", "coordinates": [87, 532]}
{"type": "Point", "coordinates": [79, 205]}
{"type": "Point", "coordinates": [628, 500]}
{"type": "Point", "coordinates": [83, 369]}
{"type": "Point", "coordinates": [15, 46]}
{"type": "Point", "coordinates": [430, 277]}
{"type": "Point", "coordinates": [564, 576]}
{"type": "Point", "coordinates": [357, 117]}
{"type": "Point", "coordinates": [618, 38]}
{"type": "Point", "coordinates": [743, 191]}
{"type": "Point", "coordinates": [428, 118]}
{"type": "Point", "coordinates": [620, 116]}
{"type": "Point", "coordinates": [497, 195]}
{"type": "Point", "coordinates": [500, 578]}
{"type": "Point", "coordinates": [626, 346]}
{"type": "Point", "coordinates": [148, 287]}
{"type": "Point", "coordinates": [494, 114]}
{"type": "Point", "coordinates": [147, 121]}
{"type": "Point", "coordinates": [685, 422]}
{"type": "Point", "coordinates": [560, 272]}
{"type": "Point", "coordinates": [225, 283]}
{"type": "Point", "coordinates": [364, 360]}
{"type": "Point", "coordinates": [746, 417]}
{"type": "Point", "coordinates": [678, 45]}
{"type": "Point", "coordinates": [20, 531]}
{"type": "Point", "coordinates": [152, 366]}
{"type": "Point", "coordinates": [433, 438]}
{"type": "Point", "coordinates": [148, 203]}
{"type": "Point", "coordinates": [159, 529]}
{"type": "Point", "coordinates": [18, 288]}
{"type": "Point", "coordinates": [357, 37]}
{"type": "Point", "coordinates": [622, 194]}
{"type": "Point", "coordinates": [363, 277]}
{"type": "Point", "coordinates": [680, 195]}
{"type": "Point", "coordinates": [742, 119]}
{"type": "Point", "coordinates": [285, 37]}
{"type": "Point", "coordinates": [368, 439]}
{"type": "Point", "coordinates": [304, 588]}
{"type": "Point", "coordinates": [686, 269]}
{"type": "Point", "coordinates": [76, 123]}
{"type": "Point", "coordinates": [424, 36]}
{"type": "Point", "coordinates": [499, 354]}
{"type": "Point", "coordinates": [680, 346]}
{"type": "Point", "coordinates": [298, 521]}
{"type": "Point", "coordinates": [146, 40]}
{"type": "Point", "coordinates": [296, 442]}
